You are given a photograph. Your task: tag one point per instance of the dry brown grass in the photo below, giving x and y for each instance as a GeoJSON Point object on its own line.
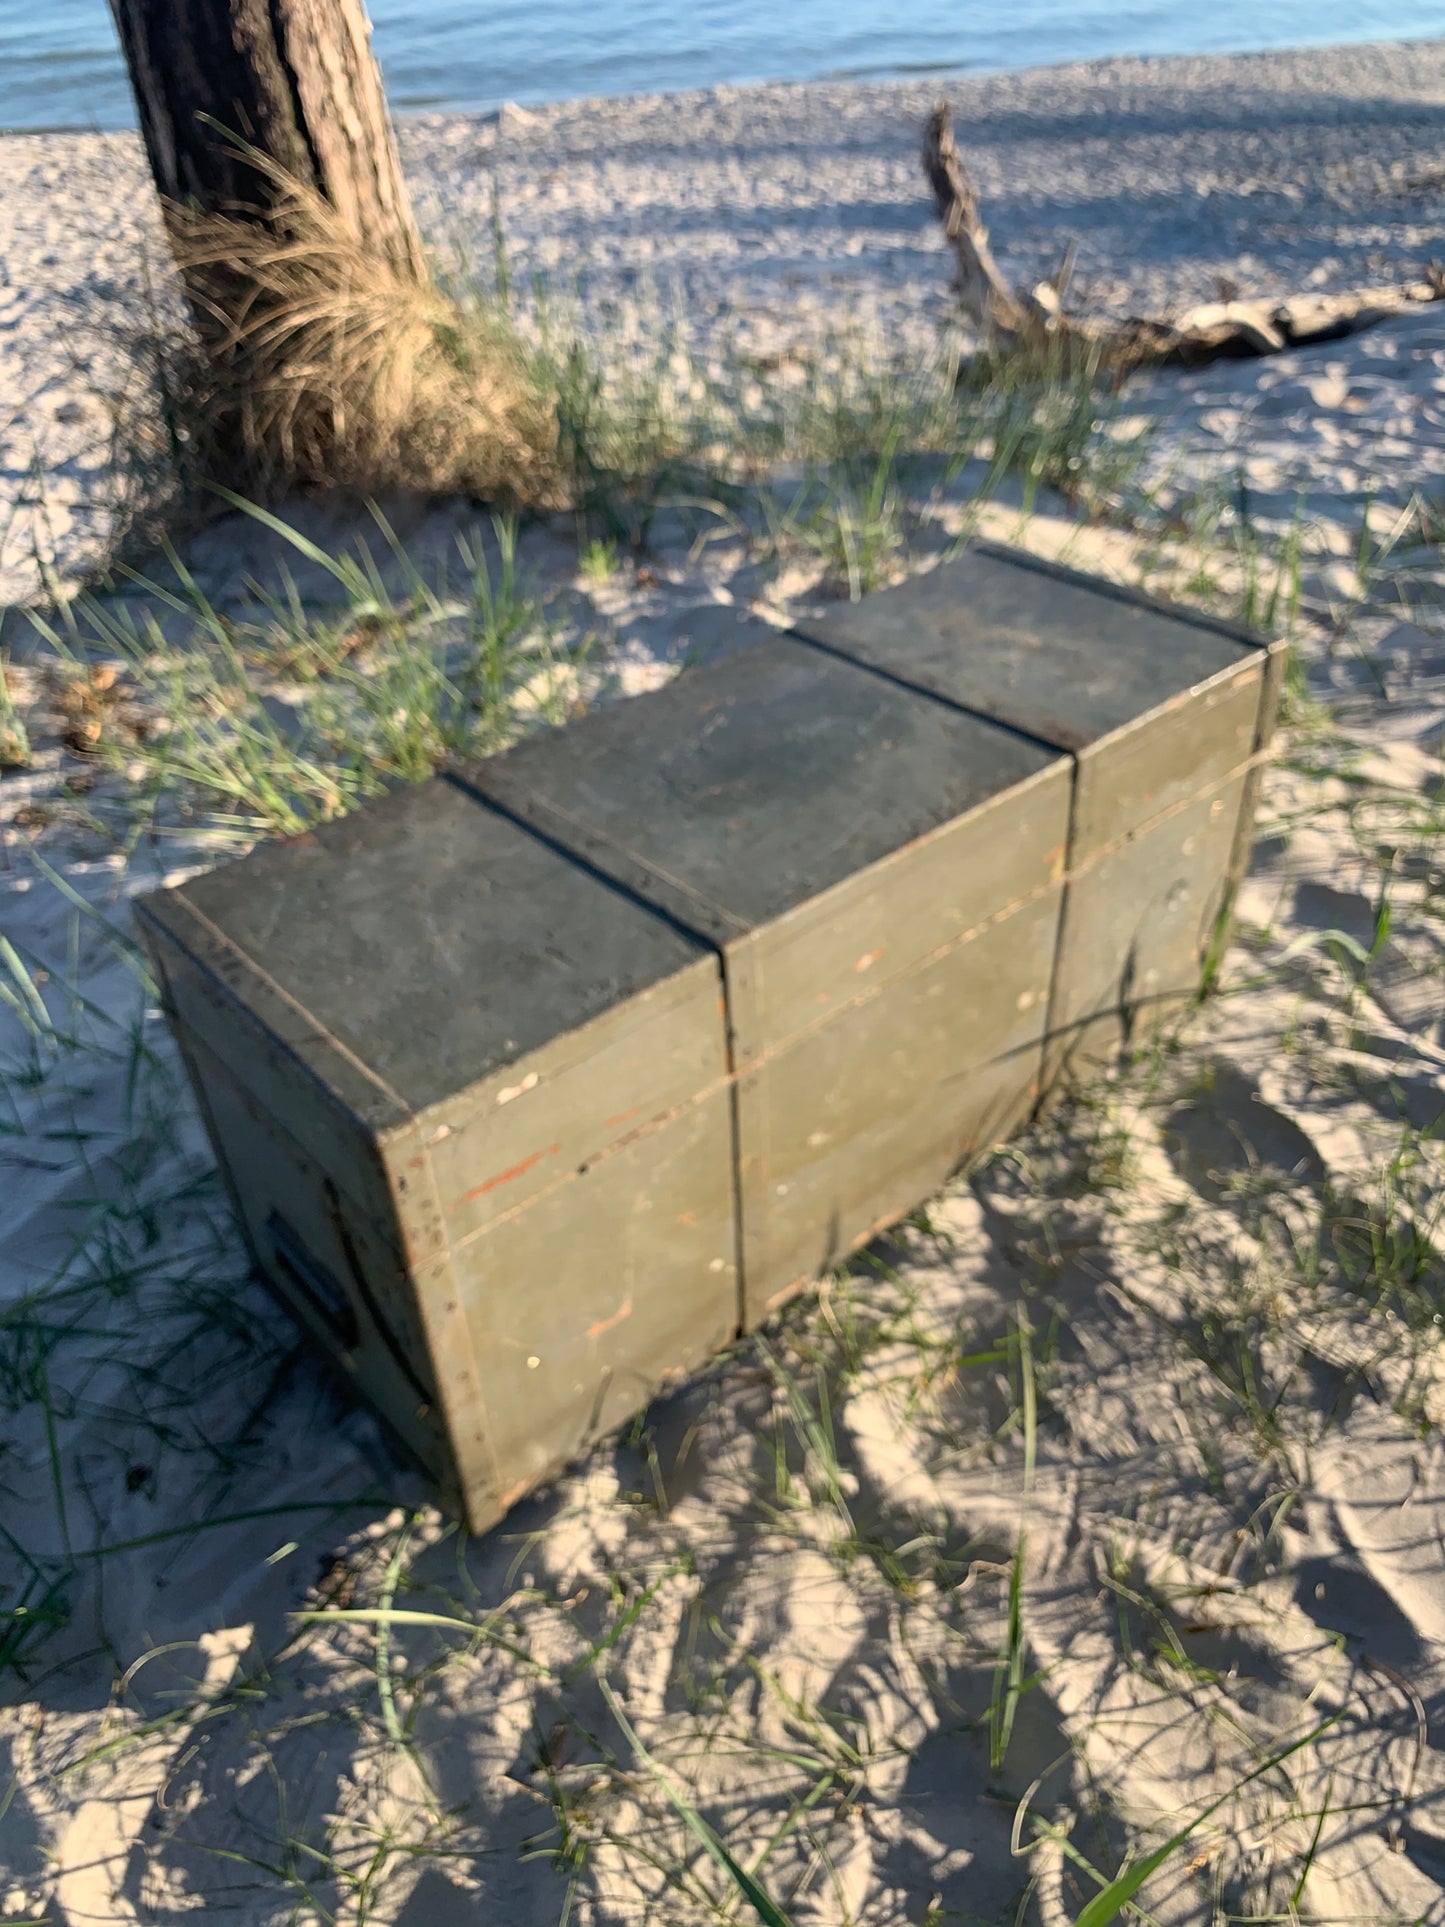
{"type": "Point", "coordinates": [324, 365]}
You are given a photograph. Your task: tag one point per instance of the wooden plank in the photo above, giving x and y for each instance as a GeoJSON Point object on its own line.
{"type": "Point", "coordinates": [1162, 709]}
{"type": "Point", "coordinates": [831, 833]}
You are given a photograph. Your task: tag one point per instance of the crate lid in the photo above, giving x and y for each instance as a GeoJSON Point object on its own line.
{"type": "Point", "coordinates": [429, 939]}
{"type": "Point", "coordinates": [1067, 657]}
{"type": "Point", "coordinates": [751, 785]}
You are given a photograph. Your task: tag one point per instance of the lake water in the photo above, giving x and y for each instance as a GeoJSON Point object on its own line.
{"type": "Point", "coordinates": [60, 65]}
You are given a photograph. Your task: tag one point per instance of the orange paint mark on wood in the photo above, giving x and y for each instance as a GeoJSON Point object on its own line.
{"type": "Point", "coordinates": [622, 1117]}
{"type": "Point", "coordinates": [507, 1177]}
{"type": "Point", "coordinates": [605, 1325]}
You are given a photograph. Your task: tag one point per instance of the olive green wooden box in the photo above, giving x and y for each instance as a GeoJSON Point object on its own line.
{"type": "Point", "coordinates": [881, 876]}
{"type": "Point", "coordinates": [472, 1104]}
{"type": "Point", "coordinates": [1167, 716]}
{"type": "Point", "coordinates": [537, 1083]}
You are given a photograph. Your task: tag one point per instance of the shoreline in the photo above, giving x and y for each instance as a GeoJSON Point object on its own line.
{"type": "Point", "coordinates": [758, 218]}
{"type": "Point", "coordinates": [864, 76]}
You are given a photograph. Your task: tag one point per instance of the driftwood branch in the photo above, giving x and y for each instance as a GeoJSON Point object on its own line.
{"type": "Point", "coordinates": [984, 292]}
{"type": "Point", "coordinates": [1034, 323]}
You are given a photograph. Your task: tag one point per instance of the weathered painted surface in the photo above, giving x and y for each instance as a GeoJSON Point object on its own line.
{"type": "Point", "coordinates": [836, 836]}
{"type": "Point", "coordinates": [536, 1083]}
{"type": "Point", "coordinates": [848, 1125]}
{"type": "Point", "coordinates": [1138, 923]}
{"type": "Point", "coordinates": [1069, 658]}
{"type": "Point", "coordinates": [472, 1103]}
{"type": "Point", "coordinates": [1163, 710]}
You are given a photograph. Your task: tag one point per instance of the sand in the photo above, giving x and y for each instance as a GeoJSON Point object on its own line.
{"type": "Point", "coordinates": [1219, 1272]}
{"type": "Point", "coordinates": [760, 214]}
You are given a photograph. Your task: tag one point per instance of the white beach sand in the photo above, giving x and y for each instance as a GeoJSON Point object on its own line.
{"type": "Point", "coordinates": [762, 214]}
{"type": "Point", "coordinates": [1236, 1527]}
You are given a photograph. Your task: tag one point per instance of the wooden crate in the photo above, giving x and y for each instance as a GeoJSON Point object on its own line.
{"type": "Point", "coordinates": [473, 1107]}
{"type": "Point", "coordinates": [880, 874]}
{"type": "Point", "coordinates": [1167, 715]}
{"type": "Point", "coordinates": [538, 1082]}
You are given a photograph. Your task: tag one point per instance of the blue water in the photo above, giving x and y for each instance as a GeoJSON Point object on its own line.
{"type": "Point", "coordinates": [60, 65]}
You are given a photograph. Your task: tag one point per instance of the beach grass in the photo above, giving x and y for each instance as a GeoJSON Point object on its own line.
{"type": "Point", "coordinates": [289, 713]}
{"type": "Point", "coordinates": [697, 1681]}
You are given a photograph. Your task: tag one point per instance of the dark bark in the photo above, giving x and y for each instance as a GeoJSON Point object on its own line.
{"type": "Point", "coordinates": [981, 288]}
{"type": "Point", "coordinates": [295, 81]}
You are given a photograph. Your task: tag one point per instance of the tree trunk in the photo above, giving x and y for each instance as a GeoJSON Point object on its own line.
{"type": "Point", "coordinates": [296, 82]}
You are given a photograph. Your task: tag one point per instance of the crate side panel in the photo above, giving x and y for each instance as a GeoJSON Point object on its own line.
{"type": "Point", "coordinates": [1129, 779]}
{"type": "Point", "coordinates": [495, 1147]}
{"type": "Point", "coordinates": [1042, 648]}
{"type": "Point", "coordinates": [374, 1203]}
{"type": "Point", "coordinates": [750, 786]}
{"type": "Point", "coordinates": [341, 1280]}
{"type": "Point", "coordinates": [850, 1126]}
{"type": "Point", "coordinates": [1137, 926]}
{"type": "Point", "coordinates": [582, 1307]}
{"type": "Point", "coordinates": [929, 1148]}
{"type": "Point", "coordinates": [886, 920]}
